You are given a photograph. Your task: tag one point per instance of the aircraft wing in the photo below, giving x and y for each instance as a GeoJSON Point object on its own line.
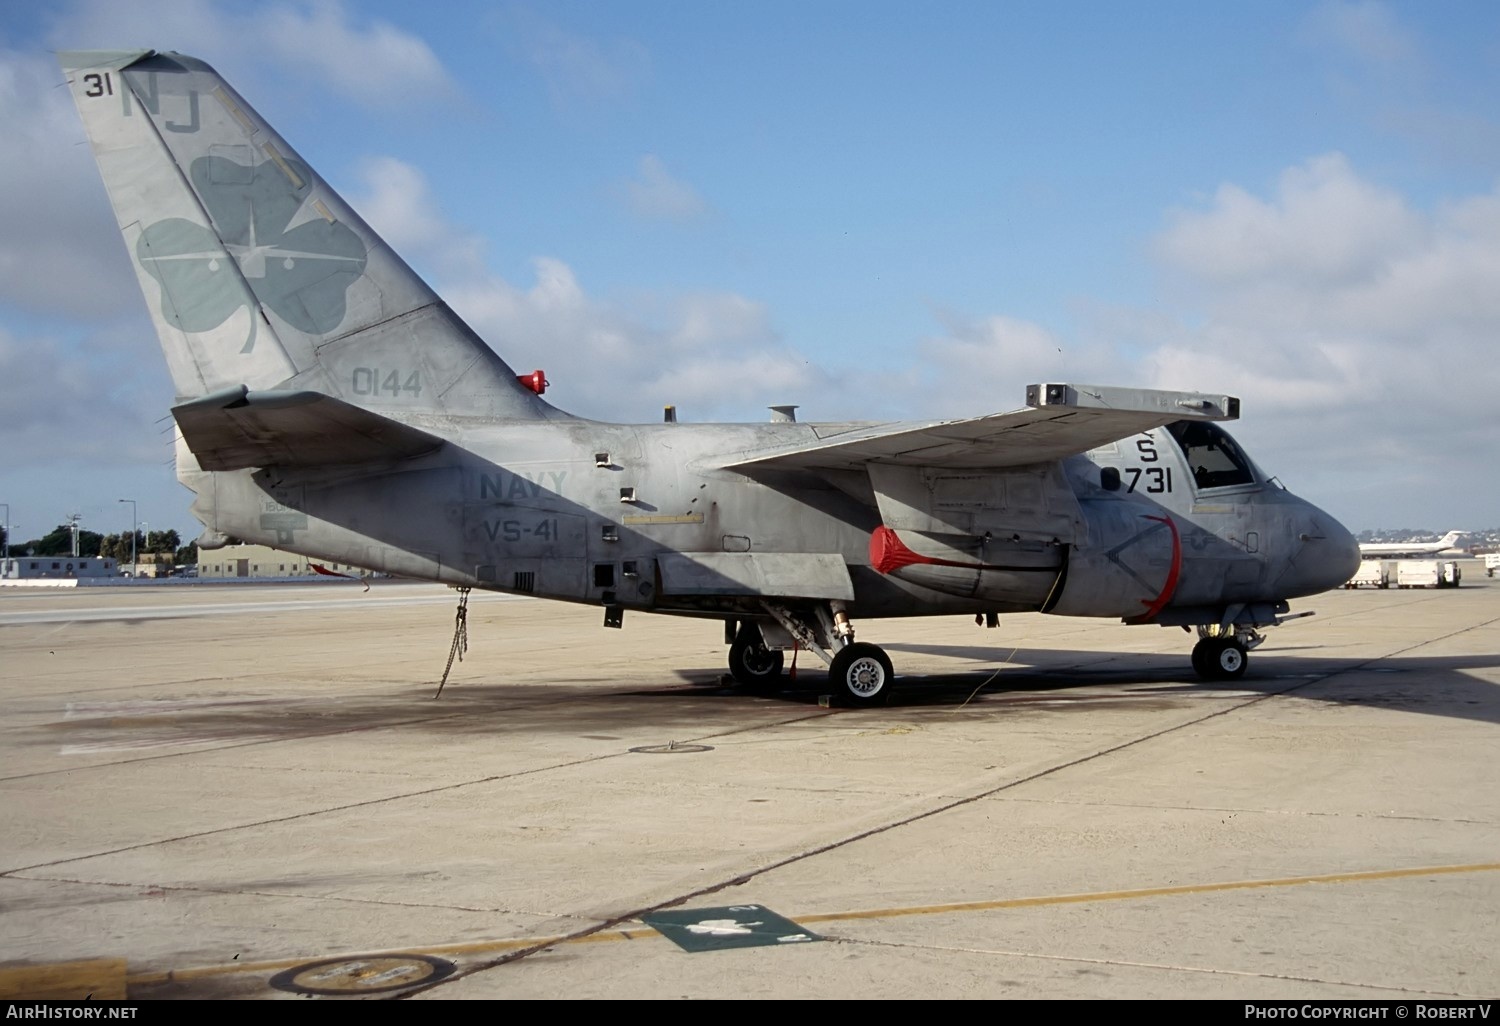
{"type": "Point", "coordinates": [1061, 420]}
{"type": "Point", "coordinates": [237, 428]}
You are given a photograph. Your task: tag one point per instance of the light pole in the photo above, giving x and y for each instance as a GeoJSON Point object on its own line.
{"type": "Point", "coordinates": [6, 570]}
{"type": "Point", "coordinates": [73, 519]}
{"type": "Point", "coordinates": [132, 535]}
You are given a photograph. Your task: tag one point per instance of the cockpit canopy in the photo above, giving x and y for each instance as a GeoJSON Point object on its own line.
{"type": "Point", "coordinates": [1215, 458]}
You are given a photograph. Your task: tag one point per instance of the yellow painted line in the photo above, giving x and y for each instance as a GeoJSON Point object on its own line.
{"type": "Point", "coordinates": [466, 948]}
{"type": "Point", "coordinates": [491, 947]}
{"type": "Point", "coordinates": [198, 972]}
{"type": "Point", "coordinates": [102, 979]}
{"type": "Point", "coordinates": [663, 518]}
{"type": "Point", "coordinates": [1150, 892]}
{"type": "Point", "coordinates": [286, 168]}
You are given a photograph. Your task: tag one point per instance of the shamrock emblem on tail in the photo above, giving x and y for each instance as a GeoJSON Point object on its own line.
{"type": "Point", "coordinates": [301, 273]}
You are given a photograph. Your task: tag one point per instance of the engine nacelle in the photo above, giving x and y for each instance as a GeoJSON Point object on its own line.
{"type": "Point", "coordinates": [1013, 572]}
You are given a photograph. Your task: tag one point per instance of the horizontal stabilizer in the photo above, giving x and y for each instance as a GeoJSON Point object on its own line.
{"type": "Point", "coordinates": [237, 428]}
{"type": "Point", "coordinates": [1063, 420]}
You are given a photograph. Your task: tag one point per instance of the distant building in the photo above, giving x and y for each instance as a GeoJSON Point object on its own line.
{"type": "Point", "coordinates": [27, 567]}
{"type": "Point", "coordinates": [264, 561]}
{"type": "Point", "coordinates": [150, 564]}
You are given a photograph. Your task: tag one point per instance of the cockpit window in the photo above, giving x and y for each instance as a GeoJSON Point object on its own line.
{"type": "Point", "coordinates": [1215, 459]}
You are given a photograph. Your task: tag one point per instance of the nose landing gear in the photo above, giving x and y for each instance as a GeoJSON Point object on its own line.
{"type": "Point", "coordinates": [1223, 654]}
{"type": "Point", "coordinates": [1220, 659]}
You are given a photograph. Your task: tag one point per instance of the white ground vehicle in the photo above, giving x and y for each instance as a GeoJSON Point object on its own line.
{"type": "Point", "coordinates": [1427, 573]}
{"type": "Point", "coordinates": [1372, 573]}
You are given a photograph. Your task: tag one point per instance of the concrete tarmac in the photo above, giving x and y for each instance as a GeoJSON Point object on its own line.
{"type": "Point", "coordinates": [254, 792]}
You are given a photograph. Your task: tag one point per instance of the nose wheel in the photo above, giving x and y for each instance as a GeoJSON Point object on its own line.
{"type": "Point", "coordinates": [1220, 658]}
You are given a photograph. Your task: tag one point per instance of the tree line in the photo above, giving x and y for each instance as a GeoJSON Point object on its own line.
{"type": "Point", "coordinates": [150, 546]}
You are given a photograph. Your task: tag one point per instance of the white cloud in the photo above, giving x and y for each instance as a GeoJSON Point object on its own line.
{"type": "Point", "coordinates": [1445, 137]}
{"type": "Point", "coordinates": [102, 25]}
{"type": "Point", "coordinates": [715, 355]}
{"type": "Point", "coordinates": [980, 366]}
{"type": "Point", "coordinates": [395, 201]}
{"type": "Point", "coordinates": [1326, 226]}
{"type": "Point", "coordinates": [373, 62]}
{"type": "Point", "coordinates": [579, 70]}
{"type": "Point", "coordinates": [656, 195]}
{"type": "Point", "coordinates": [65, 405]}
{"type": "Point", "coordinates": [1376, 67]}
{"type": "Point", "coordinates": [1359, 331]}
{"type": "Point", "coordinates": [366, 59]}
{"type": "Point", "coordinates": [59, 250]}
{"type": "Point", "coordinates": [1332, 264]}
{"type": "Point", "coordinates": [1368, 29]}
{"type": "Point", "coordinates": [1016, 348]}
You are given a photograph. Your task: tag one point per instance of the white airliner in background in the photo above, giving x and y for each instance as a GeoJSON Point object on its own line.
{"type": "Point", "coordinates": [1372, 550]}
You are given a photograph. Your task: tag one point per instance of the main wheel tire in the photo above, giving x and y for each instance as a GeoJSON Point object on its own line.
{"type": "Point", "coordinates": [862, 674]}
{"type": "Point", "coordinates": [1202, 660]}
{"type": "Point", "coordinates": [754, 666]}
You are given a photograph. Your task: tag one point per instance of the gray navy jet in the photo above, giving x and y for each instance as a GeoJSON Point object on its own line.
{"type": "Point", "coordinates": [329, 403]}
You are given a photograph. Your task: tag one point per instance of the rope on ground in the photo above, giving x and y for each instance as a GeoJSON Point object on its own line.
{"type": "Point", "coordinates": [990, 678]}
{"type": "Point", "coordinates": [460, 637]}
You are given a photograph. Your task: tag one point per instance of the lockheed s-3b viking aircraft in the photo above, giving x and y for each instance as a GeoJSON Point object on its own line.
{"type": "Point", "coordinates": [330, 404]}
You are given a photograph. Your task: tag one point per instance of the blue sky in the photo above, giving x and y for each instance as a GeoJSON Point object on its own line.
{"type": "Point", "coordinates": [873, 210]}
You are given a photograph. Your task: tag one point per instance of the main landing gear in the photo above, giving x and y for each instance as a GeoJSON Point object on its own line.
{"type": "Point", "coordinates": [860, 673]}
{"type": "Point", "coordinates": [1223, 653]}
{"type": "Point", "coordinates": [756, 667]}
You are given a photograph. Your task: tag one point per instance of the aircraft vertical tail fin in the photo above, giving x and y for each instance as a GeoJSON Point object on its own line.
{"type": "Point", "coordinates": [256, 272]}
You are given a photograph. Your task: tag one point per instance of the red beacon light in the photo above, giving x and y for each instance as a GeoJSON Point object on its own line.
{"type": "Point", "coordinates": [536, 381]}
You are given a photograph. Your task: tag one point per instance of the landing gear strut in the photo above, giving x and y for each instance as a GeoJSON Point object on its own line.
{"type": "Point", "coordinates": [859, 673]}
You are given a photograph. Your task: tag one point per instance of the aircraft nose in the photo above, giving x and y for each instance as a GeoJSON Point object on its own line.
{"type": "Point", "coordinates": [1327, 555]}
